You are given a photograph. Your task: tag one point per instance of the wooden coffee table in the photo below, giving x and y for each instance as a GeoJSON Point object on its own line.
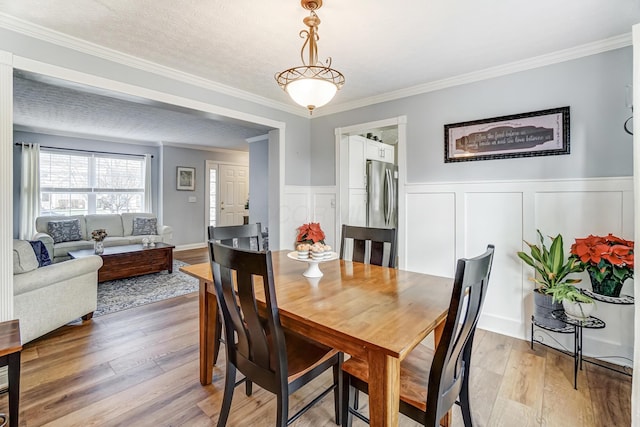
{"type": "Point", "coordinates": [120, 262]}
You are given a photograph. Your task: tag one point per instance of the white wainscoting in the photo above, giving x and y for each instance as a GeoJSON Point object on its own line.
{"type": "Point", "coordinates": [448, 221]}
{"type": "Point", "coordinates": [453, 220]}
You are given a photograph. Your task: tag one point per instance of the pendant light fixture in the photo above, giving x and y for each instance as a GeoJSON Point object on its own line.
{"type": "Point", "coordinates": [312, 84]}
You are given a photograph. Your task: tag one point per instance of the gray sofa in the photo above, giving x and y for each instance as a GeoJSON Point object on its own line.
{"type": "Point", "coordinates": [119, 227]}
{"type": "Point", "coordinates": [48, 297]}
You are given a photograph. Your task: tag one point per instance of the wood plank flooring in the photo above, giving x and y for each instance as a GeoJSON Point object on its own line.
{"type": "Point", "coordinates": [139, 367]}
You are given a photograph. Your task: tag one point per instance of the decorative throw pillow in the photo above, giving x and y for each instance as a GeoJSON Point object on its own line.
{"type": "Point", "coordinates": [66, 230]}
{"type": "Point", "coordinates": [42, 254]}
{"type": "Point", "coordinates": [144, 226]}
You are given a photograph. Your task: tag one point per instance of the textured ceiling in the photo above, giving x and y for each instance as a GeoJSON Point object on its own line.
{"type": "Point", "coordinates": [47, 106]}
{"type": "Point", "coordinates": [381, 47]}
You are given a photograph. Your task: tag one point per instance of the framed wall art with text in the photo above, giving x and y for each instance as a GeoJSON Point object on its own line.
{"type": "Point", "coordinates": [538, 133]}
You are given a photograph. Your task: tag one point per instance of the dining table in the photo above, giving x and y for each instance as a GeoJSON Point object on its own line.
{"type": "Point", "coordinates": [374, 313]}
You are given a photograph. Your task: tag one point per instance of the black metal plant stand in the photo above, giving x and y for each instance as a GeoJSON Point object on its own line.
{"type": "Point", "coordinates": [573, 326]}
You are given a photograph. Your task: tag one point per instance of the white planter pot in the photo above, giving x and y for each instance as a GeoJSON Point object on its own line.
{"type": "Point", "coordinates": [578, 310]}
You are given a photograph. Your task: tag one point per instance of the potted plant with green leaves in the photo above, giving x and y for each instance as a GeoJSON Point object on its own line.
{"type": "Point", "coordinates": [609, 260]}
{"type": "Point", "coordinates": [552, 269]}
{"type": "Point", "coordinates": [575, 303]}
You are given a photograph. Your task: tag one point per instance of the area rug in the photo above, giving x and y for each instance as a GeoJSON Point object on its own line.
{"type": "Point", "coordinates": [116, 295]}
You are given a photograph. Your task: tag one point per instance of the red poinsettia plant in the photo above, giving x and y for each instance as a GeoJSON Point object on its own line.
{"type": "Point", "coordinates": [605, 257]}
{"type": "Point", "coordinates": [310, 233]}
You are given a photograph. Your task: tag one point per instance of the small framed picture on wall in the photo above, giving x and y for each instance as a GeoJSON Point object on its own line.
{"type": "Point", "coordinates": [185, 178]}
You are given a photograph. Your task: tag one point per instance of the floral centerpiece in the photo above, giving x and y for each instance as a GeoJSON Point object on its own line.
{"type": "Point", "coordinates": [99, 234]}
{"type": "Point", "coordinates": [310, 241]}
{"type": "Point", "coordinates": [607, 259]}
{"type": "Point", "coordinates": [310, 233]}
{"type": "Point", "coordinates": [98, 237]}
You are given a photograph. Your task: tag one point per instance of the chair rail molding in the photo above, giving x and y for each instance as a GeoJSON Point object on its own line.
{"type": "Point", "coordinates": [6, 185]}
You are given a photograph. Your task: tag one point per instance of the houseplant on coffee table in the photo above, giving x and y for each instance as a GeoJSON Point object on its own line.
{"type": "Point", "coordinates": [551, 270]}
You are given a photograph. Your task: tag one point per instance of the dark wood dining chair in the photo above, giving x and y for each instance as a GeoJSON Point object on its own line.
{"type": "Point", "coordinates": [247, 236]}
{"type": "Point", "coordinates": [432, 381]}
{"type": "Point", "coordinates": [276, 359]}
{"type": "Point", "coordinates": [376, 239]}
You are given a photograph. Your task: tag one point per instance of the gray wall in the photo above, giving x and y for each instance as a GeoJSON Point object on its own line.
{"type": "Point", "coordinates": [188, 219]}
{"type": "Point", "coordinates": [259, 182]}
{"type": "Point", "coordinates": [594, 88]}
{"type": "Point", "coordinates": [297, 132]}
{"type": "Point", "coordinates": [81, 144]}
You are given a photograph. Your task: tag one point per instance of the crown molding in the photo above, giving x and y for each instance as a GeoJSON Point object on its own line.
{"type": "Point", "coordinates": [46, 131]}
{"type": "Point", "coordinates": [258, 138]}
{"type": "Point", "coordinates": [50, 36]}
{"type": "Point", "coordinates": [32, 30]}
{"type": "Point", "coordinates": [203, 147]}
{"type": "Point", "coordinates": [564, 55]}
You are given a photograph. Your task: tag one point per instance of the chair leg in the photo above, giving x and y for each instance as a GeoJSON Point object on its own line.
{"type": "Point", "coordinates": [283, 408]}
{"type": "Point", "coordinates": [248, 387]}
{"type": "Point", "coordinates": [347, 400]}
{"type": "Point", "coordinates": [229, 386]}
{"type": "Point", "coordinates": [356, 399]}
{"type": "Point", "coordinates": [337, 392]}
{"type": "Point", "coordinates": [464, 401]}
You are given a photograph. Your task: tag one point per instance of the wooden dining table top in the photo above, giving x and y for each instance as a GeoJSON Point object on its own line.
{"type": "Point", "coordinates": [376, 314]}
{"type": "Point", "coordinates": [360, 306]}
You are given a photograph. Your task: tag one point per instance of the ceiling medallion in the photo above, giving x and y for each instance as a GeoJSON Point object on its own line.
{"type": "Point", "coordinates": [312, 84]}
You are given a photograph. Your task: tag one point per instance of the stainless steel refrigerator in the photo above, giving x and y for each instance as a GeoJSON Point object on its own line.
{"type": "Point", "coordinates": [382, 194]}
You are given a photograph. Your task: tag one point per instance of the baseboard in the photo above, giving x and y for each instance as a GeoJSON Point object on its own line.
{"type": "Point", "coordinates": [502, 325]}
{"type": "Point", "coordinates": [190, 246]}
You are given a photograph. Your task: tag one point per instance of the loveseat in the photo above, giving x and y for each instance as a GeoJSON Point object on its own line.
{"type": "Point", "coordinates": [61, 234]}
{"type": "Point", "coordinates": [51, 296]}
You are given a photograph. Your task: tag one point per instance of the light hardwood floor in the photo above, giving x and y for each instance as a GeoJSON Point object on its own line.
{"type": "Point", "coordinates": [139, 367]}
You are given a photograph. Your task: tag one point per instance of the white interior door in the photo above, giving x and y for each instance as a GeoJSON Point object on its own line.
{"type": "Point", "coordinates": [234, 192]}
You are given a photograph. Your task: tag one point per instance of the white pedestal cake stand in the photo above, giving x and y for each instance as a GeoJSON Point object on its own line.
{"type": "Point", "coordinates": [313, 269]}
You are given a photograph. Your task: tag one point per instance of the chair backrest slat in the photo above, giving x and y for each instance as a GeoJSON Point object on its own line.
{"type": "Point", "coordinates": [247, 236]}
{"type": "Point", "coordinates": [452, 356]}
{"type": "Point", "coordinates": [376, 239]}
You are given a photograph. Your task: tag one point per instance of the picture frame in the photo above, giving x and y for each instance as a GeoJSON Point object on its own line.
{"type": "Point", "coordinates": [537, 133]}
{"type": "Point", "coordinates": [185, 178]}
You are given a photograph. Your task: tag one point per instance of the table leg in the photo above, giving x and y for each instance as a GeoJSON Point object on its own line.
{"type": "Point", "coordinates": [170, 261]}
{"type": "Point", "coordinates": [14, 388]}
{"type": "Point", "coordinates": [384, 390]}
{"type": "Point", "coordinates": [208, 314]}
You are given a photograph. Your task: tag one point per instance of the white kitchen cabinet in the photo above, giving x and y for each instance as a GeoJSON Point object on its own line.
{"type": "Point", "coordinates": [357, 173]}
{"type": "Point", "coordinates": [358, 207]}
{"type": "Point", "coordinates": [376, 150]}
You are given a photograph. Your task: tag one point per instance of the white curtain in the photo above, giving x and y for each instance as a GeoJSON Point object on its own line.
{"type": "Point", "coordinates": [29, 190]}
{"type": "Point", "coordinates": [148, 200]}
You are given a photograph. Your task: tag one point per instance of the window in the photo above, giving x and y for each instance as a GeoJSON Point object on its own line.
{"type": "Point", "coordinates": [212, 196]}
{"type": "Point", "coordinates": [86, 183]}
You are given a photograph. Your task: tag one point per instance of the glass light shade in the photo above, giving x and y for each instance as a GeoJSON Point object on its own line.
{"type": "Point", "coordinates": [311, 93]}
